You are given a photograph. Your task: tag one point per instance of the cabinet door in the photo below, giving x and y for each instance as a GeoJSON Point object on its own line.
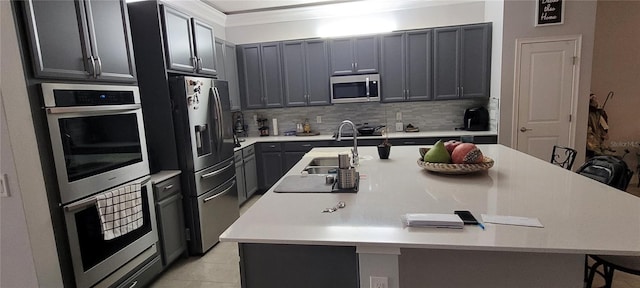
{"type": "Point", "coordinates": [61, 50]}
{"type": "Point", "coordinates": [392, 67]}
{"type": "Point", "coordinates": [446, 63]}
{"type": "Point", "coordinates": [342, 60]}
{"type": "Point", "coordinates": [317, 71]}
{"type": "Point", "coordinates": [271, 169]}
{"type": "Point", "coordinates": [366, 54]}
{"type": "Point", "coordinates": [242, 191]}
{"type": "Point", "coordinates": [291, 158]}
{"type": "Point", "coordinates": [294, 73]}
{"type": "Point", "coordinates": [178, 40]}
{"type": "Point", "coordinates": [271, 74]}
{"type": "Point", "coordinates": [204, 46]}
{"type": "Point", "coordinates": [418, 80]}
{"type": "Point", "coordinates": [252, 88]}
{"type": "Point", "coordinates": [220, 60]}
{"type": "Point", "coordinates": [172, 231]}
{"type": "Point", "coordinates": [250, 175]}
{"type": "Point", "coordinates": [231, 74]}
{"type": "Point", "coordinates": [111, 40]}
{"type": "Point", "coordinates": [475, 54]}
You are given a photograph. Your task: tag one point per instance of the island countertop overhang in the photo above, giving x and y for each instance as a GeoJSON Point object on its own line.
{"type": "Point", "coordinates": [579, 214]}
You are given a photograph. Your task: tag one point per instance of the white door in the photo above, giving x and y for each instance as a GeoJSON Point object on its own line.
{"type": "Point", "coordinates": [545, 90]}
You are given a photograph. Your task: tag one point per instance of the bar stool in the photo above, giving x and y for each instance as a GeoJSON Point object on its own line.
{"type": "Point", "coordinates": [563, 156]}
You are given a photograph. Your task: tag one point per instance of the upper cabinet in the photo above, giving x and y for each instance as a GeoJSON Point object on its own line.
{"type": "Point", "coordinates": [405, 66]}
{"type": "Point", "coordinates": [355, 55]}
{"type": "Point", "coordinates": [90, 40]}
{"type": "Point", "coordinates": [189, 43]}
{"type": "Point", "coordinates": [306, 73]}
{"type": "Point", "coordinates": [228, 70]}
{"type": "Point", "coordinates": [261, 75]}
{"type": "Point", "coordinates": [462, 61]}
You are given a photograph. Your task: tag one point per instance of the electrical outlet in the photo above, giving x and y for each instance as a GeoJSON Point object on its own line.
{"type": "Point", "coordinates": [318, 119]}
{"type": "Point", "coordinates": [399, 116]}
{"type": "Point", "coordinates": [399, 127]}
{"type": "Point", "coordinates": [379, 282]}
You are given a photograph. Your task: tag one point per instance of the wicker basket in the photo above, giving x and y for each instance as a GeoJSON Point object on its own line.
{"type": "Point", "coordinates": [446, 168]}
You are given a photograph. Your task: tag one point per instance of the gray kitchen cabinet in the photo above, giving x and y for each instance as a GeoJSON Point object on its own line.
{"type": "Point", "coordinates": [306, 73]}
{"type": "Point", "coordinates": [170, 218]}
{"type": "Point", "coordinates": [250, 170]}
{"type": "Point", "coordinates": [228, 70]}
{"type": "Point", "coordinates": [231, 74]}
{"type": "Point", "coordinates": [462, 61]}
{"type": "Point", "coordinates": [222, 65]}
{"type": "Point", "coordinates": [90, 41]}
{"type": "Point", "coordinates": [406, 66]}
{"type": "Point", "coordinates": [242, 191]}
{"type": "Point", "coordinates": [270, 163]}
{"type": "Point", "coordinates": [261, 83]}
{"type": "Point", "coordinates": [189, 43]}
{"type": "Point", "coordinates": [355, 55]}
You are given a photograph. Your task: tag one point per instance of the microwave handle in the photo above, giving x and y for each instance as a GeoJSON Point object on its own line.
{"type": "Point", "coordinates": [367, 84]}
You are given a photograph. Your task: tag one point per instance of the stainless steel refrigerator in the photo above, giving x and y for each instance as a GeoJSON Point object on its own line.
{"type": "Point", "coordinates": [204, 136]}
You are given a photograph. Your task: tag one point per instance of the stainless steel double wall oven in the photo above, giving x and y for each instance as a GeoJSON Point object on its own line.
{"type": "Point", "coordinates": [98, 143]}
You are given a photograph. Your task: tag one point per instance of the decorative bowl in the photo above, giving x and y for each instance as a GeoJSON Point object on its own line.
{"type": "Point", "coordinates": [447, 168]}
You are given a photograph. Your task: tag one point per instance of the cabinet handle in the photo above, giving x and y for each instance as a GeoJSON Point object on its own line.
{"type": "Point", "coordinates": [133, 284]}
{"type": "Point", "coordinates": [356, 66]}
{"type": "Point", "coordinates": [199, 64]}
{"type": "Point", "coordinates": [458, 91]}
{"type": "Point", "coordinates": [306, 145]}
{"type": "Point", "coordinates": [168, 187]}
{"type": "Point", "coordinates": [461, 91]}
{"type": "Point", "coordinates": [99, 65]}
{"type": "Point", "coordinates": [409, 143]}
{"type": "Point", "coordinates": [272, 146]}
{"type": "Point", "coordinates": [194, 62]}
{"type": "Point", "coordinates": [93, 66]}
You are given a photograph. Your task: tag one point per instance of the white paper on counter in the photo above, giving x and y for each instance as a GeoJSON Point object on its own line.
{"type": "Point", "coordinates": [512, 220]}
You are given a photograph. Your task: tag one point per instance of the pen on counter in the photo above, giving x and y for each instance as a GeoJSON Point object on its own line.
{"type": "Point", "coordinates": [481, 225]}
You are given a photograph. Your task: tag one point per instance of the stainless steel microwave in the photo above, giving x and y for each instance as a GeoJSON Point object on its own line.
{"type": "Point", "coordinates": [355, 88]}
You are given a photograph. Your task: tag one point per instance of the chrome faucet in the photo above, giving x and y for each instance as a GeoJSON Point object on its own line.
{"type": "Point", "coordinates": [354, 151]}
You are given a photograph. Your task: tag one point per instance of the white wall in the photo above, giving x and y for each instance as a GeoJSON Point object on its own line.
{"type": "Point", "coordinates": [28, 251]}
{"type": "Point", "coordinates": [277, 26]}
{"type": "Point", "coordinates": [519, 16]}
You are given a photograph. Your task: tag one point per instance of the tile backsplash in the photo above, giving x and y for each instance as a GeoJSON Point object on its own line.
{"type": "Point", "coordinates": [427, 115]}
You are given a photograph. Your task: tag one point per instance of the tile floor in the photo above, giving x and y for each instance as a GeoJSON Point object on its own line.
{"type": "Point", "coordinates": [219, 268]}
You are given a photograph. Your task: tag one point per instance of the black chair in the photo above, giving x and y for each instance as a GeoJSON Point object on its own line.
{"type": "Point", "coordinates": [628, 264]}
{"type": "Point", "coordinates": [563, 156]}
{"type": "Point", "coordinates": [614, 172]}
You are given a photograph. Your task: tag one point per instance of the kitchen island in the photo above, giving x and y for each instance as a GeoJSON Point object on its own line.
{"type": "Point", "coordinates": [367, 238]}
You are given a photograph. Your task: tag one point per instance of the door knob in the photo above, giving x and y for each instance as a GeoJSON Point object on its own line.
{"type": "Point", "coordinates": [523, 129]}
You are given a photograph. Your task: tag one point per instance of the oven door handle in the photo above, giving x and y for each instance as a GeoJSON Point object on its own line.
{"type": "Point", "coordinates": [100, 108]}
{"type": "Point", "coordinates": [92, 200]}
{"type": "Point", "coordinates": [220, 194]}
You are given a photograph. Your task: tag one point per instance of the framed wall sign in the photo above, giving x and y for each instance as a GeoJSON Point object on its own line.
{"type": "Point", "coordinates": [549, 12]}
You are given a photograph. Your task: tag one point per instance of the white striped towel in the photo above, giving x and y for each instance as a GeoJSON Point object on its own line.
{"type": "Point", "coordinates": [120, 211]}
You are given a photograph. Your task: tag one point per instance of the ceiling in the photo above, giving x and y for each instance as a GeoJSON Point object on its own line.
{"type": "Point", "coordinates": [231, 7]}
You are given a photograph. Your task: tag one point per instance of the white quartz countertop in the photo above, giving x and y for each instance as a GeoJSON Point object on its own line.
{"type": "Point", "coordinates": [248, 141]}
{"type": "Point", "coordinates": [579, 215]}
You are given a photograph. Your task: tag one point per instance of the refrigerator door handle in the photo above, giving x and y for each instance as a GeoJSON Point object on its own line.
{"type": "Point", "coordinates": [214, 173]}
{"type": "Point", "coordinates": [220, 117]}
{"type": "Point", "coordinates": [221, 193]}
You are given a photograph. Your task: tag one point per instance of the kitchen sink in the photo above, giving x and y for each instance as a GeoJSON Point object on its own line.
{"type": "Point", "coordinates": [324, 161]}
{"type": "Point", "coordinates": [321, 169]}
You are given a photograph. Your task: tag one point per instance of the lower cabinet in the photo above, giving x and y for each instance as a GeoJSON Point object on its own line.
{"type": "Point", "coordinates": [170, 218]}
{"type": "Point", "coordinates": [246, 173]}
{"type": "Point", "coordinates": [270, 165]}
